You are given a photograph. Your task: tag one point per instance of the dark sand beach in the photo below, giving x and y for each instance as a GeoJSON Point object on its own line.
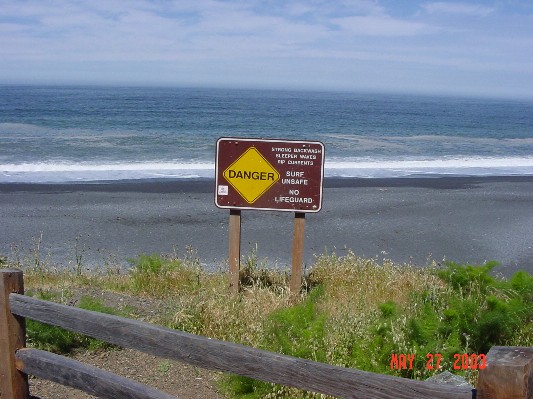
{"type": "Point", "coordinates": [462, 219]}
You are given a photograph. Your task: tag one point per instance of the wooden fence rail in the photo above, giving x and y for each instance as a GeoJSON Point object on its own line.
{"type": "Point", "coordinates": [87, 378]}
{"type": "Point", "coordinates": [199, 351]}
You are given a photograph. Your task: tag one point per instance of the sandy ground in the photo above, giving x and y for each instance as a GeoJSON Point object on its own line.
{"type": "Point", "coordinates": [174, 378]}
{"type": "Point", "coordinates": [178, 379]}
{"type": "Point", "coordinates": [407, 220]}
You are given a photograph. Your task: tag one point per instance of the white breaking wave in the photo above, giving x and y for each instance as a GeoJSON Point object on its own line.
{"type": "Point", "coordinates": [68, 172]}
{"type": "Point", "coordinates": [445, 166]}
{"type": "Point", "coordinates": [88, 167]}
{"type": "Point", "coordinates": [363, 168]}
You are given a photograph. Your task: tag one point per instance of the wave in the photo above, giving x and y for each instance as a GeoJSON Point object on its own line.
{"type": "Point", "coordinates": [86, 172]}
{"type": "Point", "coordinates": [436, 145]}
{"type": "Point", "coordinates": [57, 172]}
{"type": "Point", "coordinates": [23, 127]}
{"type": "Point", "coordinates": [475, 166]}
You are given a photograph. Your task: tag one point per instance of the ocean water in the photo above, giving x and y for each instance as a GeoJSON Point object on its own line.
{"type": "Point", "coordinates": [81, 134]}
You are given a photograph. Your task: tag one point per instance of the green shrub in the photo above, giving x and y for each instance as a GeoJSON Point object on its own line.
{"type": "Point", "coordinates": [388, 309]}
{"type": "Point", "coordinates": [522, 283]}
{"type": "Point", "coordinates": [296, 331]}
{"type": "Point", "coordinates": [467, 311]}
{"type": "Point", "coordinates": [468, 277]}
{"type": "Point", "coordinates": [471, 314]}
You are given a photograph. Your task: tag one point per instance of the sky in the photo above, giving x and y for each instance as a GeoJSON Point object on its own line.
{"type": "Point", "coordinates": [474, 48]}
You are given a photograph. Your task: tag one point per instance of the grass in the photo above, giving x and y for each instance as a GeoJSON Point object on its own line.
{"type": "Point", "coordinates": [354, 312]}
{"type": "Point", "coordinates": [57, 340]}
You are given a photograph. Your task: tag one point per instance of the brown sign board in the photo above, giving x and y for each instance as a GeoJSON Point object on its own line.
{"type": "Point", "coordinates": [264, 174]}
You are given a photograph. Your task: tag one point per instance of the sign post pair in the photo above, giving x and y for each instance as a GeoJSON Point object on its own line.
{"type": "Point", "coordinates": [267, 174]}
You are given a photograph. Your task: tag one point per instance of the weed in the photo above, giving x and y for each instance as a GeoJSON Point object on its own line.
{"type": "Point", "coordinates": [296, 331]}
{"type": "Point", "coordinates": [159, 276]}
{"type": "Point", "coordinates": [359, 313]}
{"type": "Point", "coordinates": [164, 367]}
{"type": "Point", "coordinates": [470, 314]}
{"type": "Point", "coordinates": [78, 254]}
{"type": "Point", "coordinates": [469, 278]}
{"type": "Point", "coordinates": [255, 273]}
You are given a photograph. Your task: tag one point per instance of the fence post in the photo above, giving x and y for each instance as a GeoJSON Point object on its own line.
{"type": "Point", "coordinates": [508, 375]}
{"type": "Point", "coordinates": [14, 384]}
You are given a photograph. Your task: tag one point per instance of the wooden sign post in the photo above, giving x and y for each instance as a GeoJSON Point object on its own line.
{"type": "Point", "coordinates": [234, 249]}
{"type": "Point", "coordinates": [297, 252]}
{"type": "Point", "coordinates": [277, 175]}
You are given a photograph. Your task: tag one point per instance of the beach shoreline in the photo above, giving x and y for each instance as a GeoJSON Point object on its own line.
{"type": "Point", "coordinates": [179, 185]}
{"type": "Point", "coordinates": [416, 220]}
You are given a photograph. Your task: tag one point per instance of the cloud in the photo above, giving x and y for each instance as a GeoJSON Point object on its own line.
{"type": "Point", "coordinates": [261, 40]}
{"type": "Point", "coordinates": [148, 30]}
{"type": "Point", "coordinates": [465, 9]}
{"type": "Point", "coordinates": [381, 25]}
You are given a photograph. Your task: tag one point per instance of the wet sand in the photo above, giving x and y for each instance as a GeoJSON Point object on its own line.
{"type": "Point", "coordinates": [466, 220]}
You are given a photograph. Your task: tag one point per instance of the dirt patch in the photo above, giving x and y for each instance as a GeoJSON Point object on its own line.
{"type": "Point", "coordinates": [178, 379]}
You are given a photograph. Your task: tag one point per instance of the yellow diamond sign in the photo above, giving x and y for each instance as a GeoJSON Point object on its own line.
{"type": "Point", "coordinates": [251, 175]}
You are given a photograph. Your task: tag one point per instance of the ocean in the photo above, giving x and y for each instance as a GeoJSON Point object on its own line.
{"type": "Point", "coordinates": [58, 134]}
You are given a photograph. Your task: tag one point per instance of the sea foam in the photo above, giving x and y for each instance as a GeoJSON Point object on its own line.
{"type": "Point", "coordinates": [336, 167]}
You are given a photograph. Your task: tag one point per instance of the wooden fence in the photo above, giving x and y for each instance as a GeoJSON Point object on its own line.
{"type": "Point", "coordinates": [509, 372]}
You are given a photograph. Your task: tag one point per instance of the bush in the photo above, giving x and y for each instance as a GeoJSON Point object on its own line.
{"type": "Point", "coordinates": [474, 312]}
{"type": "Point", "coordinates": [464, 310]}
{"type": "Point", "coordinates": [469, 278]}
{"type": "Point", "coordinates": [296, 331]}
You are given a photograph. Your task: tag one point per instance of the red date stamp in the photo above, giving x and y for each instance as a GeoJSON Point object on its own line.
{"type": "Point", "coordinates": [461, 361]}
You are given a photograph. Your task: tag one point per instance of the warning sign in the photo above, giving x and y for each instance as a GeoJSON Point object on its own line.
{"type": "Point", "coordinates": [251, 175]}
{"type": "Point", "coordinates": [269, 174]}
